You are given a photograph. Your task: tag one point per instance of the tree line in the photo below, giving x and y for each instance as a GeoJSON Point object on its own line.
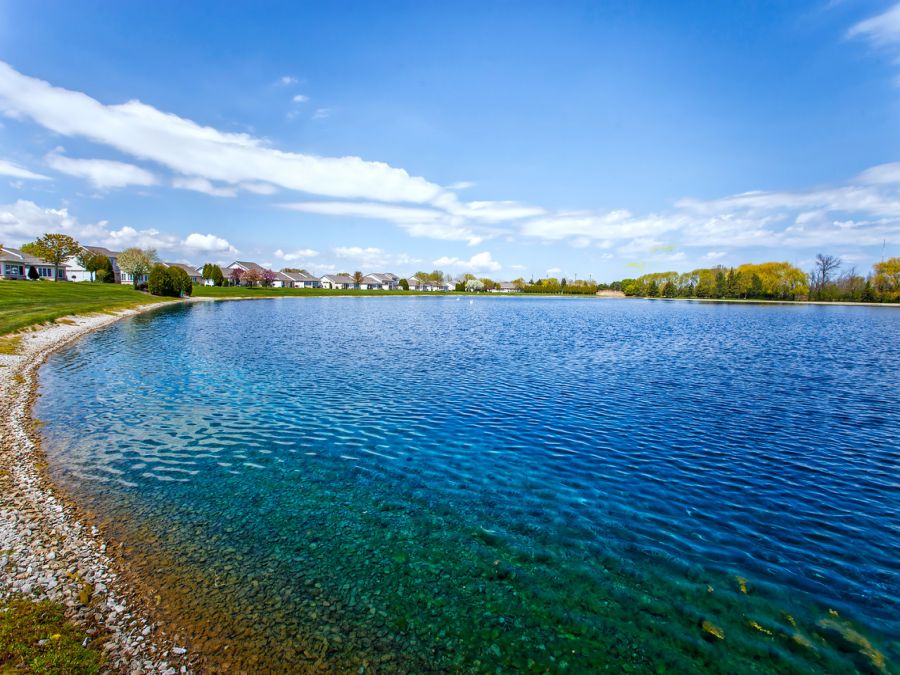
{"type": "Point", "coordinates": [773, 281]}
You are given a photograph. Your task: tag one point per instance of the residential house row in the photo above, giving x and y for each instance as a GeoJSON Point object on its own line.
{"type": "Point", "coordinates": [18, 265]}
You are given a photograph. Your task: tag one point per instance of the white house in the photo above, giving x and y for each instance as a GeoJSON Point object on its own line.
{"type": "Point", "coordinates": [302, 279]}
{"type": "Point", "coordinates": [506, 287]}
{"type": "Point", "coordinates": [226, 275]}
{"type": "Point", "coordinates": [17, 265]}
{"type": "Point", "coordinates": [338, 281]}
{"type": "Point", "coordinates": [381, 281]}
{"type": "Point", "coordinates": [75, 272]}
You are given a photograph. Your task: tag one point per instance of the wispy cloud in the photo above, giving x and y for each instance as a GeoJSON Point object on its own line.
{"type": "Point", "coordinates": [203, 185]}
{"type": "Point", "coordinates": [480, 262]}
{"type": "Point", "coordinates": [300, 98]}
{"type": "Point", "coordinates": [321, 113]}
{"type": "Point", "coordinates": [102, 173]}
{"type": "Point", "coordinates": [8, 168]}
{"type": "Point", "coordinates": [287, 80]}
{"type": "Point", "coordinates": [881, 30]}
{"type": "Point", "coordinates": [298, 254]}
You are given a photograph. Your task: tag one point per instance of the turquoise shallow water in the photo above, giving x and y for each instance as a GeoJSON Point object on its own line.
{"type": "Point", "coordinates": [421, 484]}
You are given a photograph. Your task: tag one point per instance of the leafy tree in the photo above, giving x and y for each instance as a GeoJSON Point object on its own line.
{"type": "Point", "coordinates": [404, 284]}
{"type": "Point", "coordinates": [162, 282]}
{"type": "Point", "coordinates": [54, 248]}
{"type": "Point", "coordinates": [137, 262]}
{"type": "Point", "coordinates": [268, 277]}
{"type": "Point", "coordinates": [181, 280]}
{"type": "Point", "coordinates": [237, 275]}
{"type": "Point", "coordinates": [886, 279]}
{"type": "Point", "coordinates": [252, 277]}
{"type": "Point", "coordinates": [33, 273]}
{"type": "Point", "coordinates": [357, 278]}
{"type": "Point", "coordinates": [105, 273]}
{"type": "Point", "coordinates": [90, 261]}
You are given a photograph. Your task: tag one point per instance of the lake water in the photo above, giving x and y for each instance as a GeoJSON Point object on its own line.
{"type": "Point", "coordinates": [439, 483]}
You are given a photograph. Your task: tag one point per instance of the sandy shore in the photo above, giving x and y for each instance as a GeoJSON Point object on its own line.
{"type": "Point", "coordinates": [45, 552]}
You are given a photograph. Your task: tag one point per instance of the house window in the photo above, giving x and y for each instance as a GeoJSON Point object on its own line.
{"type": "Point", "coordinates": [12, 270]}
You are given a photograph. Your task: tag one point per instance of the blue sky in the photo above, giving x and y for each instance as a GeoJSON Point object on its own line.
{"type": "Point", "coordinates": [507, 139]}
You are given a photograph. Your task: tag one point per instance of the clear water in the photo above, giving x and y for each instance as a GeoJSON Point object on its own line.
{"type": "Point", "coordinates": [421, 484]}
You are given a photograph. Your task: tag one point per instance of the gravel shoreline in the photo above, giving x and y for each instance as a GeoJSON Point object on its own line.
{"type": "Point", "coordinates": [45, 551]}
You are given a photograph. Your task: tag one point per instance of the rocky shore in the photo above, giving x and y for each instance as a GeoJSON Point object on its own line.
{"type": "Point", "coordinates": [45, 551]}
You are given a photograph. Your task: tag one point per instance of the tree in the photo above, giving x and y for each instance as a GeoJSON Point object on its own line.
{"type": "Point", "coordinates": [162, 282]}
{"type": "Point", "coordinates": [268, 277]}
{"type": "Point", "coordinates": [54, 248]}
{"type": "Point", "coordinates": [252, 277]}
{"type": "Point", "coordinates": [357, 278]}
{"type": "Point", "coordinates": [237, 275]}
{"type": "Point", "coordinates": [886, 279]}
{"type": "Point", "coordinates": [137, 262]}
{"type": "Point", "coordinates": [218, 278]}
{"type": "Point", "coordinates": [182, 281]}
{"type": "Point", "coordinates": [824, 266]}
{"type": "Point", "coordinates": [90, 261]}
{"type": "Point", "coordinates": [33, 273]}
{"type": "Point", "coordinates": [105, 272]}
{"type": "Point", "coordinates": [404, 284]}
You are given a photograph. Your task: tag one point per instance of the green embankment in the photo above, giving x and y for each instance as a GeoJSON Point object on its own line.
{"type": "Point", "coordinates": [27, 303]}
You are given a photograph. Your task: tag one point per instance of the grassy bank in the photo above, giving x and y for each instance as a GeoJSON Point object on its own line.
{"type": "Point", "coordinates": [27, 303]}
{"type": "Point", "coordinates": [258, 292]}
{"type": "Point", "coordinates": [36, 638]}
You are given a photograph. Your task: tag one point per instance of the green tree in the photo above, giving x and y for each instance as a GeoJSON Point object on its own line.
{"type": "Point", "coordinates": [181, 280]}
{"type": "Point", "coordinates": [404, 284]}
{"type": "Point", "coordinates": [90, 261]}
{"type": "Point", "coordinates": [54, 248]}
{"type": "Point", "coordinates": [357, 278]}
{"type": "Point", "coordinates": [105, 273]}
{"type": "Point", "coordinates": [137, 262]}
{"type": "Point", "coordinates": [162, 282]}
{"type": "Point", "coordinates": [218, 278]}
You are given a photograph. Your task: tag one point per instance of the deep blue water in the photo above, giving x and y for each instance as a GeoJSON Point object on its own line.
{"type": "Point", "coordinates": [412, 484]}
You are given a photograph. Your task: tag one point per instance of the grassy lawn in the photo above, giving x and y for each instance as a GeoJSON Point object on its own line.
{"type": "Point", "coordinates": [26, 303]}
{"type": "Point", "coordinates": [258, 292]}
{"type": "Point", "coordinates": [36, 638]}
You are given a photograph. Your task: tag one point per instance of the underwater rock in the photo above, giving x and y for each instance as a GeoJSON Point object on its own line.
{"type": "Point", "coordinates": [844, 637]}
{"type": "Point", "coordinates": [711, 631]}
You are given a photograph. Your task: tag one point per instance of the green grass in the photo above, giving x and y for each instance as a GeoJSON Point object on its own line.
{"type": "Point", "coordinates": [27, 303]}
{"type": "Point", "coordinates": [36, 638]}
{"type": "Point", "coordinates": [257, 292]}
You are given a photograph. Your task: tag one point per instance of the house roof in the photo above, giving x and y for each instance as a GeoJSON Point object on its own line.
{"type": "Point", "coordinates": [14, 255]}
{"type": "Point", "coordinates": [339, 278]}
{"type": "Point", "coordinates": [281, 276]}
{"type": "Point", "coordinates": [103, 251]}
{"type": "Point", "coordinates": [299, 276]}
{"type": "Point", "coordinates": [192, 271]}
{"type": "Point", "coordinates": [383, 277]}
{"type": "Point", "coordinates": [248, 265]}
{"type": "Point", "coordinates": [508, 285]}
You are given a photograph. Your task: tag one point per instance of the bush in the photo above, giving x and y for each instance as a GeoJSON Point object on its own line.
{"type": "Point", "coordinates": [181, 280]}
{"type": "Point", "coordinates": [103, 276]}
{"type": "Point", "coordinates": [162, 282]}
{"type": "Point", "coordinates": [106, 274]}
{"type": "Point", "coordinates": [404, 284]}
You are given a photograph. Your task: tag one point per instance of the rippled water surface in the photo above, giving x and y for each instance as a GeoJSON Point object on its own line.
{"type": "Point", "coordinates": [420, 484]}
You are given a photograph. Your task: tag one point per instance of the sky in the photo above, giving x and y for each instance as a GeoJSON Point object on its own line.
{"type": "Point", "coordinates": [508, 139]}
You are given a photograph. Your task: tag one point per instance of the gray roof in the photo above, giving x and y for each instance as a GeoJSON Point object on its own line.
{"type": "Point", "coordinates": [508, 285]}
{"type": "Point", "coordinates": [299, 276]}
{"type": "Point", "coordinates": [340, 278]}
{"type": "Point", "coordinates": [384, 277]}
{"type": "Point", "coordinates": [191, 271]}
{"type": "Point", "coordinates": [249, 265]}
{"type": "Point", "coordinates": [103, 251]}
{"type": "Point", "coordinates": [14, 255]}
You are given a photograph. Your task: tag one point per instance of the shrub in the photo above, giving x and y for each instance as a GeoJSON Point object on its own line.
{"type": "Point", "coordinates": [163, 282]}
{"type": "Point", "coordinates": [404, 284]}
{"type": "Point", "coordinates": [181, 280]}
{"type": "Point", "coordinates": [103, 276]}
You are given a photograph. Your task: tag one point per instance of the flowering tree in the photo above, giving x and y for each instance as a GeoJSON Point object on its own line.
{"type": "Point", "coordinates": [252, 277]}
{"type": "Point", "coordinates": [236, 275]}
{"type": "Point", "coordinates": [137, 262]}
{"type": "Point", "coordinates": [54, 248]}
{"type": "Point", "coordinates": [268, 277]}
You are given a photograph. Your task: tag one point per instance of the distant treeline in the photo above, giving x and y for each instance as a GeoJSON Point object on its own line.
{"type": "Point", "coordinates": [773, 281]}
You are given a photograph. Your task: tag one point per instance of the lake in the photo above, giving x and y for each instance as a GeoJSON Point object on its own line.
{"type": "Point", "coordinates": [525, 484]}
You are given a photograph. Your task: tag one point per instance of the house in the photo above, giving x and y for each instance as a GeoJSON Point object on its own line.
{"type": "Point", "coordinates": [195, 274]}
{"type": "Point", "coordinates": [506, 287]}
{"type": "Point", "coordinates": [75, 271]}
{"type": "Point", "coordinates": [243, 266]}
{"type": "Point", "coordinates": [226, 276]}
{"type": "Point", "coordinates": [282, 280]}
{"type": "Point", "coordinates": [417, 284]}
{"type": "Point", "coordinates": [381, 281]}
{"type": "Point", "coordinates": [302, 279]}
{"type": "Point", "coordinates": [17, 265]}
{"type": "Point", "coordinates": [338, 281]}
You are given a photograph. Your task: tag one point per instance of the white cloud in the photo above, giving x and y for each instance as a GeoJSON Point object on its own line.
{"type": "Point", "coordinates": [321, 113]}
{"type": "Point", "coordinates": [880, 30]}
{"type": "Point", "coordinates": [300, 98]}
{"type": "Point", "coordinates": [8, 168]}
{"type": "Point", "coordinates": [25, 220]}
{"type": "Point", "coordinates": [204, 186]}
{"type": "Point", "coordinates": [553, 271]}
{"type": "Point", "coordinates": [374, 257]}
{"type": "Point", "coordinates": [480, 262]}
{"type": "Point", "coordinates": [287, 80]}
{"type": "Point", "coordinates": [192, 150]}
{"type": "Point", "coordinates": [102, 173]}
{"type": "Point", "coordinates": [714, 255]}
{"type": "Point", "coordinates": [299, 254]}
{"type": "Point", "coordinates": [208, 243]}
